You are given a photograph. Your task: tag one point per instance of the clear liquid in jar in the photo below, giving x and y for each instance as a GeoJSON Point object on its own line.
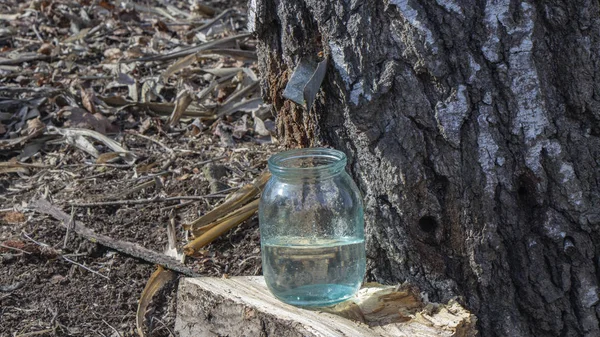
{"type": "Point", "coordinates": [317, 272]}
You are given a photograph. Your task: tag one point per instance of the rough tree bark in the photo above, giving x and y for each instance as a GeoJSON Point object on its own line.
{"type": "Point", "coordinates": [473, 130]}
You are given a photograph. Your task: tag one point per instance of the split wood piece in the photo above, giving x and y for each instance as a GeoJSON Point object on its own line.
{"type": "Point", "coordinates": [243, 306]}
{"type": "Point", "coordinates": [129, 248]}
{"type": "Point", "coordinates": [236, 200]}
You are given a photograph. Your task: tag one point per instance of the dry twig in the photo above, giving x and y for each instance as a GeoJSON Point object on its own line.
{"type": "Point", "coordinates": [55, 252]}
{"type": "Point", "coordinates": [147, 201]}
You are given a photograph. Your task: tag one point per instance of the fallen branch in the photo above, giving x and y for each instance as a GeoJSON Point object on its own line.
{"type": "Point", "coordinates": [128, 248]}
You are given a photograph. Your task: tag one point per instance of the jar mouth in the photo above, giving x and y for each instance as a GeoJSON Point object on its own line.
{"type": "Point", "coordinates": [306, 163]}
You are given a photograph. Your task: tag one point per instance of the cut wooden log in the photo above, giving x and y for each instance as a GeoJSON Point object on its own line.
{"type": "Point", "coordinates": [243, 306]}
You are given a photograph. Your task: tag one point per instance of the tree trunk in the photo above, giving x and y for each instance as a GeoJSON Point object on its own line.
{"type": "Point", "coordinates": [473, 130]}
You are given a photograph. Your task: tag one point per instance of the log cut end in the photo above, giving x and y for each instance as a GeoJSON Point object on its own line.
{"type": "Point", "coordinates": [243, 306]}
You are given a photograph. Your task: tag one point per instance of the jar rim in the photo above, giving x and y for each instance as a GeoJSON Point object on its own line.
{"type": "Point", "coordinates": [285, 164]}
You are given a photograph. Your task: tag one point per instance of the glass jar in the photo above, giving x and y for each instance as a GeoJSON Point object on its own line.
{"type": "Point", "coordinates": [312, 228]}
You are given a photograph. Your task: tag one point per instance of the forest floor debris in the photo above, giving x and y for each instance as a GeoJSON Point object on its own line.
{"type": "Point", "coordinates": [117, 114]}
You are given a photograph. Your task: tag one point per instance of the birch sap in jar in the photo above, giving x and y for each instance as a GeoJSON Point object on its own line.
{"type": "Point", "coordinates": [312, 228]}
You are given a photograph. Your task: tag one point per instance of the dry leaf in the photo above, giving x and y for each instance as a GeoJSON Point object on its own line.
{"type": "Point", "coordinates": [123, 78]}
{"type": "Point", "coordinates": [81, 35]}
{"type": "Point", "coordinates": [145, 168]}
{"type": "Point", "coordinates": [260, 128]}
{"type": "Point", "coordinates": [201, 8]}
{"type": "Point", "coordinates": [106, 5]}
{"type": "Point", "coordinates": [183, 177]}
{"type": "Point", "coordinates": [195, 129]}
{"type": "Point", "coordinates": [13, 169]}
{"type": "Point", "coordinates": [184, 99]}
{"type": "Point", "coordinates": [80, 118]}
{"type": "Point", "coordinates": [235, 102]}
{"type": "Point", "coordinates": [13, 217]}
{"type": "Point", "coordinates": [245, 105]}
{"type": "Point", "coordinates": [113, 54]}
{"type": "Point", "coordinates": [223, 92]}
{"type": "Point", "coordinates": [87, 98]}
{"type": "Point", "coordinates": [231, 40]}
{"type": "Point", "coordinates": [175, 67]}
{"type": "Point", "coordinates": [159, 278]}
{"type": "Point", "coordinates": [134, 52]}
{"type": "Point", "coordinates": [107, 157]}
{"type": "Point", "coordinates": [57, 279]}
{"type": "Point", "coordinates": [77, 138]}
{"type": "Point", "coordinates": [35, 126]}
{"type": "Point", "coordinates": [146, 125]}
{"type": "Point", "coordinates": [161, 26]}
{"type": "Point", "coordinates": [171, 249]}
{"type": "Point", "coordinates": [46, 49]}
{"type": "Point", "coordinates": [9, 17]}
{"type": "Point", "coordinates": [18, 245]}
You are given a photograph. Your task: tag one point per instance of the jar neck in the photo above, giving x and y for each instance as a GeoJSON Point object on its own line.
{"type": "Point", "coordinates": [311, 163]}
